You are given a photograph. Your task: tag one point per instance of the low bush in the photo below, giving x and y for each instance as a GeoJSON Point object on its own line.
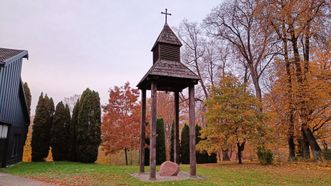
{"type": "Point", "coordinates": [327, 154]}
{"type": "Point", "coordinates": [265, 156]}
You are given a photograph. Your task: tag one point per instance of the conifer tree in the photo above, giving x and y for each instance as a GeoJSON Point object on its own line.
{"type": "Point", "coordinates": [27, 94]}
{"type": "Point", "coordinates": [72, 133]}
{"type": "Point", "coordinates": [59, 134]}
{"type": "Point", "coordinates": [184, 145]}
{"type": "Point", "coordinates": [202, 157]}
{"type": "Point", "coordinates": [160, 142]}
{"type": "Point", "coordinates": [88, 127]}
{"type": "Point", "coordinates": [39, 148]}
{"type": "Point", "coordinates": [41, 128]}
{"type": "Point", "coordinates": [146, 151]}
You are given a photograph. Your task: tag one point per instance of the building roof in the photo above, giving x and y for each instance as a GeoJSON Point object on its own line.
{"type": "Point", "coordinates": [172, 70]}
{"type": "Point", "coordinates": [7, 55]}
{"type": "Point", "coordinates": [167, 36]}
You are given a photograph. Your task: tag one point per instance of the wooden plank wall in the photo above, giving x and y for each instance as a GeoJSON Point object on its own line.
{"type": "Point", "coordinates": [10, 105]}
{"type": "Point", "coordinates": [11, 110]}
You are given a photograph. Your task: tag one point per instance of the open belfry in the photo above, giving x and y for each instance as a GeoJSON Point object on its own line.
{"type": "Point", "coordinates": [167, 74]}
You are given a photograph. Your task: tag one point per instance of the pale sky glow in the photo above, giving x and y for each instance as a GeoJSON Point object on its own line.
{"type": "Point", "coordinates": [75, 44]}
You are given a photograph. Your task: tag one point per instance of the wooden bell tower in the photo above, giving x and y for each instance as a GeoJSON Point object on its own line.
{"type": "Point", "coordinates": [167, 74]}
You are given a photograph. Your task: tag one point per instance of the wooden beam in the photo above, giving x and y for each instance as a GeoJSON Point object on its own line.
{"type": "Point", "coordinates": [192, 131]}
{"type": "Point", "coordinates": [152, 154]}
{"type": "Point", "coordinates": [142, 131]}
{"type": "Point", "coordinates": [176, 129]}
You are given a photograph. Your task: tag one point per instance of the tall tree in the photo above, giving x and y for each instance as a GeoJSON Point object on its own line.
{"type": "Point", "coordinates": [203, 156]}
{"type": "Point", "coordinates": [27, 94]}
{"type": "Point", "coordinates": [41, 128]}
{"type": "Point", "coordinates": [72, 130]}
{"type": "Point", "coordinates": [121, 120]}
{"type": "Point", "coordinates": [204, 55]}
{"type": "Point", "coordinates": [160, 141]}
{"type": "Point", "coordinates": [185, 145]}
{"type": "Point", "coordinates": [235, 23]}
{"type": "Point", "coordinates": [300, 25]}
{"type": "Point", "coordinates": [165, 105]}
{"type": "Point", "coordinates": [88, 127]}
{"type": "Point", "coordinates": [59, 133]}
{"type": "Point", "coordinates": [232, 115]}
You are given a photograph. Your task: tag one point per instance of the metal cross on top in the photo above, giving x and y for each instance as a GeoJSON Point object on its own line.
{"type": "Point", "coordinates": [166, 15]}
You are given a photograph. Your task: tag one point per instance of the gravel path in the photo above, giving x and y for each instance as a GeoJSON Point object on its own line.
{"type": "Point", "coordinates": [181, 176]}
{"type": "Point", "coordinates": [11, 180]}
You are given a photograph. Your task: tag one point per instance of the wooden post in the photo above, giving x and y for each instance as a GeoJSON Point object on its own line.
{"type": "Point", "coordinates": [142, 131]}
{"type": "Point", "coordinates": [152, 154]}
{"type": "Point", "coordinates": [176, 129]}
{"type": "Point", "coordinates": [192, 131]}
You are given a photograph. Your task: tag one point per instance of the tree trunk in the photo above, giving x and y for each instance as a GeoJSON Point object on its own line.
{"type": "Point", "coordinates": [126, 156]}
{"type": "Point", "coordinates": [225, 155]}
{"type": "Point", "coordinates": [282, 33]}
{"type": "Point", "coordinates": [291, 108]}
{"type": "Point", "coordinates": [240, 150]}
{"type": "Point", "coordinates": [313, 144]}
{"type": "Point", "coordinates": [289, 96]}
{"type": "Point", "coordinates": [304, 146]}
{"type": "Point", "coordinates": [219, 153]}
{"type": "Point", "coordinates": [291, 146]}
{"type": "Point", "coordinates": [255, 79]}
{"type": "Point", "coordinates": [301, 97]}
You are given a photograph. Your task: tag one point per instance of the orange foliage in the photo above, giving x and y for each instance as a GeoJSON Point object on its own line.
{"type": "Point", "coordinates": [165, 110]}
{"type": "Point", "coordinates": [317, 97]}
{"type": "Point", "coordinates": [120, 123]}
{"type": "Point", "coordinates": [27, 150]}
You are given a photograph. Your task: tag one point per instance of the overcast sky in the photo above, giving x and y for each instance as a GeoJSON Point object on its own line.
{"type": "Point", "coordinates": [75, 44]}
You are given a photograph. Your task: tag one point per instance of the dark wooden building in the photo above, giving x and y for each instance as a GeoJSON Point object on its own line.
{"type": "Point", "coordinates": [14, 114]}
{"type": "Point", "coordinates": [167, 74]}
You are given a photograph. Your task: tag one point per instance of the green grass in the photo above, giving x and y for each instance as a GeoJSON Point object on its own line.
{"type": "Point", "coordinates": [69, 173]}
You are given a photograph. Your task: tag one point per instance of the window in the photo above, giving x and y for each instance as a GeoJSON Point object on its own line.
{"type": "Point", "coordinates": [3, 131]}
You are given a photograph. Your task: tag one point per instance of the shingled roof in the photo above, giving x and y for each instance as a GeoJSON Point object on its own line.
{"type": "Point", "coordinates": [6, 55]}
{"type": "Point", "coordinates": [168, 70]}
{"type": "Point", "coordinates": [167, 36]}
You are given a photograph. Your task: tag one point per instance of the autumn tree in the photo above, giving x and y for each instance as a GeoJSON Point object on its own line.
{"type": "Point", "coordinates": [201, 156]}
{"type": "Point", "coordinates": [300, 27]}
{"type": "Point", "coordinates": [88, 127]}
{"type": "Point", "coordinates": [165, 105]}
{"type": "Point", "coordinates": [59, 133]}
{"type": "Point", "coordinates": [120, 122]}
{"type": "Point", "coordinates": [233, 117]}
{"type": "Point", "coordinates": [42, 124]}
{"type": "Point", "coordinates": [236, 24]}
{"type": "Point", "coordinates": [205, 56]}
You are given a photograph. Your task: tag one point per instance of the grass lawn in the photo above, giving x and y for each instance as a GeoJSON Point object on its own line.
{"type": "Point", "coordinates": [69, 173]}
